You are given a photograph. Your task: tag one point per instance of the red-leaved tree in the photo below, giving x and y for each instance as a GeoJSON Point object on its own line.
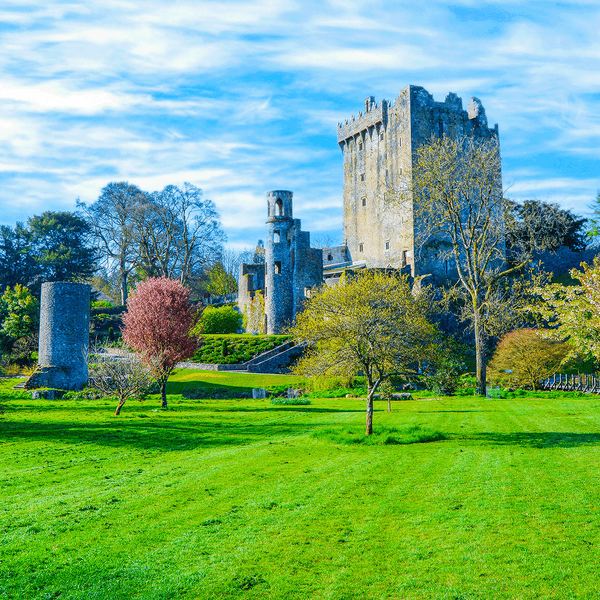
{"type": "Point", "coordinates": [157, 325]}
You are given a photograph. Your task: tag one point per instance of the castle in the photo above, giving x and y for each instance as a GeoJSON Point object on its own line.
{"type": "Point", "coordinates": [379, 150]}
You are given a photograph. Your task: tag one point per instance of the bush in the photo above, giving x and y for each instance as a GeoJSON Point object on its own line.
{"type": "Point", "coordinates": [222, 319]}
{"type": "Point", "coordinates": [102, 304]}
{"type": "Point", "coordinates": [290, 401]}
{"type": "Point", "coordinates": [444, 377]}
{"type": "Point", "coordinates": [524, 357]}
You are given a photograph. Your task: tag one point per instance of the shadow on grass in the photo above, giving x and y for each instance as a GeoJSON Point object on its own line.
{"type": "Point", "coordinates": [158, 435]}
{"type": "Point", "coordinates": [548, 439]}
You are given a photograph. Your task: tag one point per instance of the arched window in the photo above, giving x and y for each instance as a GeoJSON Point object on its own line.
{"type": "Point", "coordinates": [278, 208]}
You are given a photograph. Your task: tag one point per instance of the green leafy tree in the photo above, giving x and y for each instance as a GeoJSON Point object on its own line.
{"type": "Point", "coordinates": [62, 246]}
{"type": "Point", "coordinates": [17, 262]}
{"type": "Point", "coordinates": [537, 226]}
{"type": "Point", "coordinates": [371, 323]}
{"type": "Point", "coordinates": [573, 311]}
{"type": "Point", "coordinates": [20, 312]}
{"type": "Point", "coordinates": [220, 282]}
{"type": "Point", "coordinates": [524, 357]}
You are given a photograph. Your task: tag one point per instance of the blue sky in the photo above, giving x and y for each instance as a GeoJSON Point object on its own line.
{"type": "Point", "coordinates": [240, 98]}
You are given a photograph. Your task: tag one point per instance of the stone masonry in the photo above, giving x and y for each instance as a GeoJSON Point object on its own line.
{"type": "Point", "coordinates": [379, 149]}
{"type": "Point", "coordinates": [291, 267]}
{"type": "Point", "coordinates": [64, 336]}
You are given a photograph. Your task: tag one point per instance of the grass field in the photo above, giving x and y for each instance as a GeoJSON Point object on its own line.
{"type": "Point", "coordinates": [244, 499]}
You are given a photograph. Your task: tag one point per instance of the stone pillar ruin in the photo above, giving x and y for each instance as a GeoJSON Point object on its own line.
{"type": "Point", "coordinates": [64, 336]}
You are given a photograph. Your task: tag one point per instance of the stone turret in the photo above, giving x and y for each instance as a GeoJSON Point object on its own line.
{"type": "Point", "coordinates": [279, 262]}
{"type": "Point", "coordinates": [64, 336]}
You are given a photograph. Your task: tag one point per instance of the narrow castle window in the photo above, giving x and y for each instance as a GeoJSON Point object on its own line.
{"type": "Point", "coordinates": [399, 142]}
{"type": "Point", "coordinates": [276, 237]}
{"type": "Point", "coordinates": [360, 247]}
{"type": "Point", "coordinates": [360, 145]}
{"type": "Point", "coordinates": [387, 245]}
{"type": "Point", "coordinates": [400, 171]}
{"type": "Point", "coordinates": [330, 257]}
{"type": "Point", "coordinates": [279, 208]}
{"type": "Point", "coordinates": [363, 201]}
{"type": "Point", "coordinates": [362, 176]}
{"type": "Point", "coordinates": [277, 267]}
{"type": "Point", "coordinates": [381, 136]}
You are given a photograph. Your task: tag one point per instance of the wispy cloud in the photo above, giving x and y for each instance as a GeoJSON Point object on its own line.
{"type": "Point", "coordinates": [242, 97]}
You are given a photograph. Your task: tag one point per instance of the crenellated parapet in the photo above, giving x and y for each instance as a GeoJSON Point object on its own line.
{"type": "Point", "coordinates": [374, 114]}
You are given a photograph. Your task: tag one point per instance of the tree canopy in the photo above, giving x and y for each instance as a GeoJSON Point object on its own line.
{"type": "Point", "coordinates": [158, 321]}
{"type": "Point", "coordinates": [371, 323]}
{"type": "Point", "coordinates": [534, 226]}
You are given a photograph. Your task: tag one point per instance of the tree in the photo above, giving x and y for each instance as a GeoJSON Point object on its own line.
{"type": "Point", "coordinates": [177, 232]}
{"type": "Point", "coordinates": [536, 226]}
{"type": "Point", "coordinates": [17, 262]}
{"type": "Point", "coordinates": [20, 311]}
{"type": "Point", "coordinates": [370, 323]}
{"type": "Point", "coordinates": [455, 194]}
{"type": "Point", "coordinates": [220, 282]}
{"type": "Point", "coordinates": [157, 323]}
{"type": "Point", "coordinates": [573, 311]}
{"type": "Point", "coordinates": [525, 357]}
{"type": "Point", "coordinates": [594, 221]}
{"type": "Point", "coordinates": [61, 243]}
{"type": "Point", "coordinates": [112, 221]}
{"type": "Point", "coordinates": [122, 377]}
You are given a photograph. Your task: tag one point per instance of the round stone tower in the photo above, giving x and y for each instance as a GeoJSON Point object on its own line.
{"type": "Point", "coordinates": [64, 335]}
{"type": "Point", "coordinates": [279, 262]}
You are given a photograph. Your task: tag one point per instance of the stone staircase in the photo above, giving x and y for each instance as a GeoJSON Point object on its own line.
{"type": "Point", "coordinates": [271, 361]}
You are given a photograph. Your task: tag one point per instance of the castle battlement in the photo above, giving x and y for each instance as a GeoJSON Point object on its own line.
{"type": "Point", "coordinates": [374, 114]}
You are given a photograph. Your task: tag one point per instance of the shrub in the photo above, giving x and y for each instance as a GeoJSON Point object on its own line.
{"type": "Point", "coordinates": [102, 304]}
{"type": "Point", "coordinates": [524, 357]}
{"type": "Point", "coordinates": [290, 401]}
{"type": "Point", "coordinates": [444, 377]}
{"type": "Point", "coordinates": [222, 319]}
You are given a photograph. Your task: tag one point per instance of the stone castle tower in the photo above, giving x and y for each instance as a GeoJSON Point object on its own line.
{"type": "Point", "coordinates": [379, 150]}
{"type": "Point", "coordinates": [291, 267]}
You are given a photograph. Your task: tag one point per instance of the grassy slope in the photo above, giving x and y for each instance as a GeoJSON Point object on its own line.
{"type": "Point", "coordinates": [235, 499]}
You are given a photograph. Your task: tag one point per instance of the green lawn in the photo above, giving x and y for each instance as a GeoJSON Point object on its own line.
{"type": "Point", "coordinates": [238, 499]}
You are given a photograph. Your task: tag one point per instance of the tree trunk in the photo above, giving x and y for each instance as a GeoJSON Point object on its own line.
{"type": "Point", "coordinates": [389, 405]}
{"type": "Point", "coordinates": [369, 428]}
{"type": "Point", "coordinates": [163, 393]}
{"type": "Point", "coordinates": [480, 347]}
{"type": "Point", "coordinates": [119, 407]}
{"type": "Point", "coordinates": [123, 288]}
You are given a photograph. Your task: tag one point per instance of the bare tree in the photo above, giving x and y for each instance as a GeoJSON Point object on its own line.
{"type": "Point", "coordinates": [113, 224]}
{"type": "Point", "coordinates": [455, 195]}
{"type": "Point", "coordinates": [122, 377]}
{"type": "Point", "coordinates": [177, 232]}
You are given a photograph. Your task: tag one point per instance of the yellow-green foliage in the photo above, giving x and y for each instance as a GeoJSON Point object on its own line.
{"type": "Point", "coordinates": [371, 324]}
{"type": "Point", "coordinates": [218, 319]}
{"type": "Point", "coordinates": [524, 357]}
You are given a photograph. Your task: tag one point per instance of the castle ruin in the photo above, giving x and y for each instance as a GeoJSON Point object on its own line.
{"type": "Point", "coordinates": [379, 149]}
